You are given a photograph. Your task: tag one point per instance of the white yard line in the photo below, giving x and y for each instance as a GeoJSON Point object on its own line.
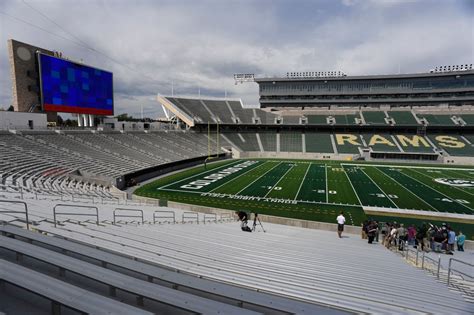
{"type": "Point", "coordinates": [301, 184]}
{"type": "Point", "coordinates": [214, 169]}
{"type": "Point", "coordinates": [390, 199]}
{"type": "Point", "coordinates": [410, 166]}
{"type": "Point", "coordinates": [257, 179]}
{"type": "Point", "coordinates": [231, 195]}
{"type": "Point", "coordinates": [468, 175]}
{"type": "Point", "coordinates": [355, 191]}
{"type": "Point", "coordinates": [448, 186]}
{"type": "Point", "coordinates": [401, 185]}
{"type": "Point", "coordinates": [238, 176]}
{"type": "Point", "coordinates": [326, 173]}
{"type": "Point", "coordinates": [438, 192]}
{"type": "Point", "coordinates": [291, 167]}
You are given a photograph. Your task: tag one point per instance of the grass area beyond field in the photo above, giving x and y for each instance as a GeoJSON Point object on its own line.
{"type": "Point", "coordinates": [318, 190]}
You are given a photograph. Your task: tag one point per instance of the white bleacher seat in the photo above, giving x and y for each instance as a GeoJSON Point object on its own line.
{"type": "Point", "coordinates": [62, 292]}
{"type": "Point", "coordinates": [144, 289]}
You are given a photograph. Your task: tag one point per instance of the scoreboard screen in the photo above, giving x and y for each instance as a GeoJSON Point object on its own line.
{"type": "Point", "coordinates": [71, 87]}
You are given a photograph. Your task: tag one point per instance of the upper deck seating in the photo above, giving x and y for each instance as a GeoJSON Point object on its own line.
{"type": "Point", "coordinates": [403, 117]}
{"type": "Point", "coordinates": [374, 117]}
{"type": "Point", "coordinates": [317, 119]}
{"type": "Point", "coordinates": [438, 120]}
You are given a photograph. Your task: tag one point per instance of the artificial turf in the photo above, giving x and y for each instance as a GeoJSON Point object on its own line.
{"type": "Point", "coordinates": [317, 190]}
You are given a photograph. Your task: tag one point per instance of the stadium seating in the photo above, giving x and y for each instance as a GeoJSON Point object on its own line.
{"type": "Point", "coordinates": [291, 142]}
{"type": "Point", "coordinates": [318, 142]}
{"type": "Point", "coordinates": [245, 115]}
{"type": "Point", "coordinates": [348, 119]}
{"type": "Point", "coordinates": [468, 119]}
{"type": "Point", "coordinates": [343, 146]}
{"type": "Point", "coordinates": [291, 120]}
{"type": "Point", "coordinates": [280, 272]}
{"type": "Point", "coordinates": [42, 162]}
{"type": "Point", "coordinates": [453, 145]}
{"type": "Point", "coordinates": [374, 117]}
{"type": "Point", "coordinates": [220, 109]}
{"type": "Point", "coordinates": [381, 142]}
{"type": "Point", "coordinates": [268, 140]}
{"type": "Point", "coordinates": [403, 117]}
{"type": "Point", "coordinates": [317, 119]}
{"type": "Point", "coordinates": [438, 120]}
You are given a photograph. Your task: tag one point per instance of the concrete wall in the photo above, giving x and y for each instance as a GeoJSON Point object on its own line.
{"type": "Point", "coordinates": [293, 155]}
{"type": "Point", "coordinates": [459, 160]}
{"type": "Point", "coordinates": [18, 120]}
{"type": "Point", "coordinates": [25, 76]}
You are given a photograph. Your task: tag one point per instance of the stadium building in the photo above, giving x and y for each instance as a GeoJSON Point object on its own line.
{"type": "Point", "coordinates": [172, 245]}
{"type": "Point", "coordinates": [449, 85]}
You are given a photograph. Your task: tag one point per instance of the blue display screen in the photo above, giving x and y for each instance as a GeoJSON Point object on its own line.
{"type": "Point", "coordinates": [74, 88]}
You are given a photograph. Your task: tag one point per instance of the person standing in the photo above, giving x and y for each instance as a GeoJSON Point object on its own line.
{"type": "Point", "coordinates": [371, 230]}
{"type": "Point", "coordinates": [340, 223]}
{"type": "Point", "coordinates": [460, 241]}
{"type": "Point", "coordinates": [451, 241]}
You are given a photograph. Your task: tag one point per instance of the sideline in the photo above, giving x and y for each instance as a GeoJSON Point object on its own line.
{"type": "Point", "coordinates": [130, 190]}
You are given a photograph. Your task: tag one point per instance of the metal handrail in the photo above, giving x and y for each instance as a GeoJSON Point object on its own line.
{"type": "Point", "coordinates": [128, 215]}
{"type": "Point", "coordinates": [194, 215]}
{"type": "Point", "coordinates": [226, 216]}
{"type": "Point", "coordinates": [210, 216]}
{"type": "Point", "coordinates": [164, 217]}
{"type": "Point", "coordinates": [460, 272]}
{"type": "Point", "coordinates": [75, 214]}
{"type": "Point", "coordinates": [12, 211]}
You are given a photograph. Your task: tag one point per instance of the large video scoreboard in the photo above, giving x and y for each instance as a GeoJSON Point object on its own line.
{"type": "Point", "coordinates": [71, 87]}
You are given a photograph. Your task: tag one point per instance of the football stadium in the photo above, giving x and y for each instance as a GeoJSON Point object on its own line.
{"type": "Point", "coordinates": [355, 190]}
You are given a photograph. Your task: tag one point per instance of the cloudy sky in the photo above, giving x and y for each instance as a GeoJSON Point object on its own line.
{"type": "Point", "coordinates": [198, 45]}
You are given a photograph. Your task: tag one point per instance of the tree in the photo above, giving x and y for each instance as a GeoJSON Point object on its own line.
{"type": "Point", "coordinates": [124, 117]}
{"type": "Point", "coordinates": [11, 108]}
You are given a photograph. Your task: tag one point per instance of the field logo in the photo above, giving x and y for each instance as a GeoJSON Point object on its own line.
{"type": "Point", "coordinates": [209, 179]}
{"type": "Point", "coordinates": [455, 182]}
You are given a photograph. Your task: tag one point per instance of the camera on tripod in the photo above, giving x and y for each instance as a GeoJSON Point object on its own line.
{"type": "Point", "coordinates": [256, 221]}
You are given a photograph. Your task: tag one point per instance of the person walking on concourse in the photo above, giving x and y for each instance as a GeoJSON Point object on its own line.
{"type": "Point", "coordinates": [340, 224]}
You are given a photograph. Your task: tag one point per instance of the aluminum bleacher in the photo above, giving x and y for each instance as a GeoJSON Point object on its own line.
{"type": "Point", "coordinates": [279, 272]}
{"type": "Point", "coordinates": [44, 162]}
{"type": "Point", "coordinates": [59, 293]}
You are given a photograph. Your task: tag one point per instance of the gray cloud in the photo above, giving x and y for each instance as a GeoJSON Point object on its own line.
{"type": "Point", "coordinates": [200, 44]}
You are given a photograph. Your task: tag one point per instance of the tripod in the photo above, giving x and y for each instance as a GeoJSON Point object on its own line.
{"type": "Point", "coordinates": [255, 220]}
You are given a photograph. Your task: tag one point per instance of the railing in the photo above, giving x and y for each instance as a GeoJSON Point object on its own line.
{"type": "Point", "coordinates": [226, 216]}
{"type": "Point", "coordinates": [128, 215]}
{"type": "Point", "coordinates": [38, 194]}
{"type": "Point", "coordinates": [157, 213]}
{"type": "Point", "coordinates": [210, 216]}
{"type": "Point", "coordinates": [190, 215]}
{"type": "Point", "coordinates": [55, 213]}
{"type": "Point", "coordinates": [457, 271]}
{"type": "Point", "coordinates": [13, 211]}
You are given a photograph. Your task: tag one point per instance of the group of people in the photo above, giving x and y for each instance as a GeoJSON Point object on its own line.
{"type": "Point", "coordinates": [428, 236]}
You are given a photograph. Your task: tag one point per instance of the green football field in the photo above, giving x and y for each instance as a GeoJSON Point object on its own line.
{"type": "Point", "coordinates": [318, 190]}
